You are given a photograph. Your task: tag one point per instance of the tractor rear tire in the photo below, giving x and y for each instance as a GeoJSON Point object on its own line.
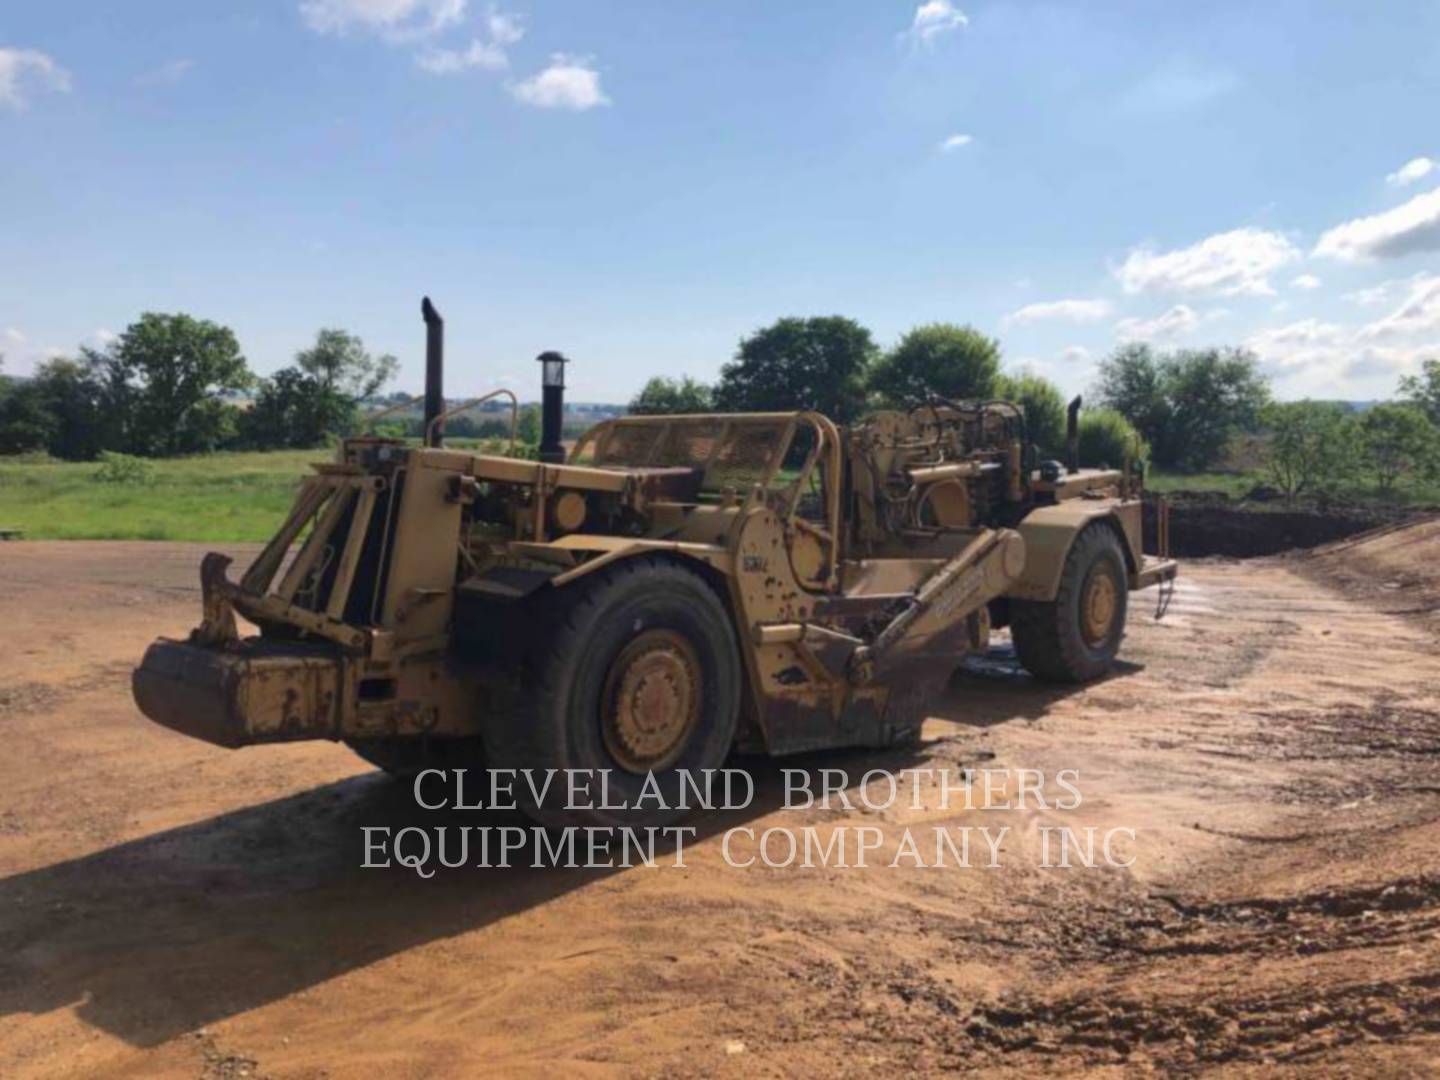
{"type": "Point", "coordinates": [1074, 638]}
{"type": "Point", "coordinates": [404, 758]}
{"type": "Point", "coordinates": [635, 671]}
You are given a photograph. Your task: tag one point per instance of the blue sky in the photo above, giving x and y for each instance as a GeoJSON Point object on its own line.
{"type": "Point", "coordinates": [641, 184]}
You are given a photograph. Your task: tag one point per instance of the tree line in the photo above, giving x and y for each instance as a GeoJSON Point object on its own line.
{"type": "Point", "coordinates": [1185, 411]}
{"type": "Point", "coordinates": [833, 365]}
{"type": "Point", "coordinates": [172, 384]}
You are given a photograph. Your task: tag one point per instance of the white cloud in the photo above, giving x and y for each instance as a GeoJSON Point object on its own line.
{"type": "Point", "coordinates": [165, 74]}
{"type": "Point", "coordinates": [1306, 333]}
{"type": "Point", "coordinates": [1413, 170]}
{"type": "Point", "coordinates": [481, 54]}
{"type": "Point", "coordinates": [396, 19]}
{"type": "Point", "coordinates": [955, 142]}
{"type": "Point", "coordinates": [1075, 354]}
{"type": "Point", "coordinates": [503, 29]}
{"type": "Point", "coordinates": [1314, 356]}
{"type": "Point", "coordinates": [1177, 322]}
{"type": "Point", "coordinates": [1411, 227]}
{"type": "Point", "coordinates": [1079, 311]}
{"type": "Point", "coordinates": [1388, 361]}
{"type": "Point", "coordinates": [1311, 353]}
{"type": "Point", "coordinates": [1371, 295]}
{"type": "Point", "coordinates": [935, 18]}
{"type": "Point", "coordinates": [1232, 263]}
{"type": "Point", "coordinates": [568, 83]}
{"type": "Point", "coordinates": [103, 336]}
{"type": "Point", "coordinates": [1306, 281]}
{"type": "Point", "coordinates": [14, 338]}
{"type": "Point", "coordinates": [1418, 314]}
{"type": "Point", "coordinates": [25, 70]}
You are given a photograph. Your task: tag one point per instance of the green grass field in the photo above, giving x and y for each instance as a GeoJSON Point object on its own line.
{"type": "Point", "coordinates": [214, 497]}
{"type": "Point", "coordinates": [228, 498]}
{"type": "Point", "coordinates": [217, 497]}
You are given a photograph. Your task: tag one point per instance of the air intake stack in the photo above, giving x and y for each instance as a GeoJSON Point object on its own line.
{"type": "Point", "coordinates": [552, 408]}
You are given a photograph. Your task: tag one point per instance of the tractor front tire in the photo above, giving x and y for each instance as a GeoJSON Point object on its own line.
{"type": "Point", "coordinates": [634, 672]}
{"type": "Point", "coordinates": [1074, 638]}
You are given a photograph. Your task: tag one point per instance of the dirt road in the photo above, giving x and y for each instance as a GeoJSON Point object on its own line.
{"type": "Point", "coordinates": [168, 908]}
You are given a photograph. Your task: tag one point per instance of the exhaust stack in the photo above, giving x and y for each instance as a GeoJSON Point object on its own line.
{"type": "Point", "coordinates": [1072, 435]}
{"type": "Point", "coordinates": [434, 372]}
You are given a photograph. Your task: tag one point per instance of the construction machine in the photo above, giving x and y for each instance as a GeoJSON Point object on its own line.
{"type": "Point", "coordinates": [668, 590]}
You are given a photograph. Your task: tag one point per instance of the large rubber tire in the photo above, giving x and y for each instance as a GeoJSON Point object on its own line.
{"type": "Point", "coordinates": [403, 758]}
{"type": "Point", "coordinates": [582, 633]}
{"type": "Point", "coordinates": [1067, 640]}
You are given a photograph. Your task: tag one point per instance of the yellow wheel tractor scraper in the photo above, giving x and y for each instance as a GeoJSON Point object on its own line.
{"type": "Point", "coordinates": [671, 588]}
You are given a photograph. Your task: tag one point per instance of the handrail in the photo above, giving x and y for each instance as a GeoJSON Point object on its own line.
{"type": "Point", "coordinates": [514, 413]}
{"type": "Point", "coordinates": [369, 420]}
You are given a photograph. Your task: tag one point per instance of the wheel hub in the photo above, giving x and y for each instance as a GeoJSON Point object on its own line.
{"type": "Point", "coordinates": [652, 701]}
{"type": "Point", "coordinates": [1097, 607]}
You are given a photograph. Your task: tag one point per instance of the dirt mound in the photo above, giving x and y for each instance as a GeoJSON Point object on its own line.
{"type": "Point", "coordinates": [1211, 523]}
{"type": "Point", "coordinates": [1395, 567]}
{"type": "Point", "coordinates": [1405, 556]}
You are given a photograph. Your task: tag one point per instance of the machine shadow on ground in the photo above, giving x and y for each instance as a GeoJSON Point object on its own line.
{"type": "Point", "coordinates": [162, 935]}
{"type": "Point", "coordinates": [165, 934]}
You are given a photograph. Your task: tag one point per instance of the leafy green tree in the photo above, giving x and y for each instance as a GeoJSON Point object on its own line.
{"type": "Point", "coordinates": [58, 409]}
{"type": "Point", "coordinates": [1186, 404]}
{"type": "Point", "coordinates": [663, 396]}
{"type": "Point", "coordinates": [26, 423]}
{"type": "Point", "coordinates": [1423, 390]}
{"type": "Point", "coordinates": [1132, 382]}
{"type": "Point", "coordinates": [1213, 393]}
{"type": "Point", "coordinates": [73, 393]}
{"type": "Point", "coordinates": [817, 363]}
{"type": "Point", "coordinates": [340, 365]}
{"type": "Point", "coordinates": [300, 406]}
{"type": "Point", "coordinates": [164, 379]}
{"type": "Point", "coordinates": [1397, 440]}
{"type": "Point", "coordinates": [1044, 409]}
{"type": "Point", "coordinates": [952, 361]}
{"type": "Point", "coordinates": [527, 426]}
{"type": "Point", "coordinates": [292, 409]}
{"type": "Point", "coordinates": [1107, 439]}
{"type": "Point", "coordinates": [1308, 446]}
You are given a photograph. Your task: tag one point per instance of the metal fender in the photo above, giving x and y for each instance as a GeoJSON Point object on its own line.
{"type": "Point", "coordinates": [1050, 530]}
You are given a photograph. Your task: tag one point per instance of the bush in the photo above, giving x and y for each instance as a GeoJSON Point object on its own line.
{"type": "Point", "coordinates": [940, 358]}
{"type": "Point", "coordinates": [816, 363]}
{"type": "Point", "coordinates": [123, 469]}
{"type": "Point", "coordinates": [1106, 438]}
{"type": "Point", "coordinates": [1188, 404]}
{"type": "Point", "coordinates": [1044, 409]}
{"type": "Point", "coordinates": [663, 396]}
{"type": "Point", "coordinates": [1308, 447]}
{"type": "Point", "coordinates": [1395, 441]}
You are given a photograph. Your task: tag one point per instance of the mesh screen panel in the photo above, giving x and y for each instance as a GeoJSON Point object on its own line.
{"type": "Point", "coordinates": [735, 452]}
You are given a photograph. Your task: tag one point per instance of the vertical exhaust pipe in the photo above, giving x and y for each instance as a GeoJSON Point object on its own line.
{"type": "Point", "coordinates": [434, 372]}
{"type": "Point", "coordinates": [1072, 434]}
